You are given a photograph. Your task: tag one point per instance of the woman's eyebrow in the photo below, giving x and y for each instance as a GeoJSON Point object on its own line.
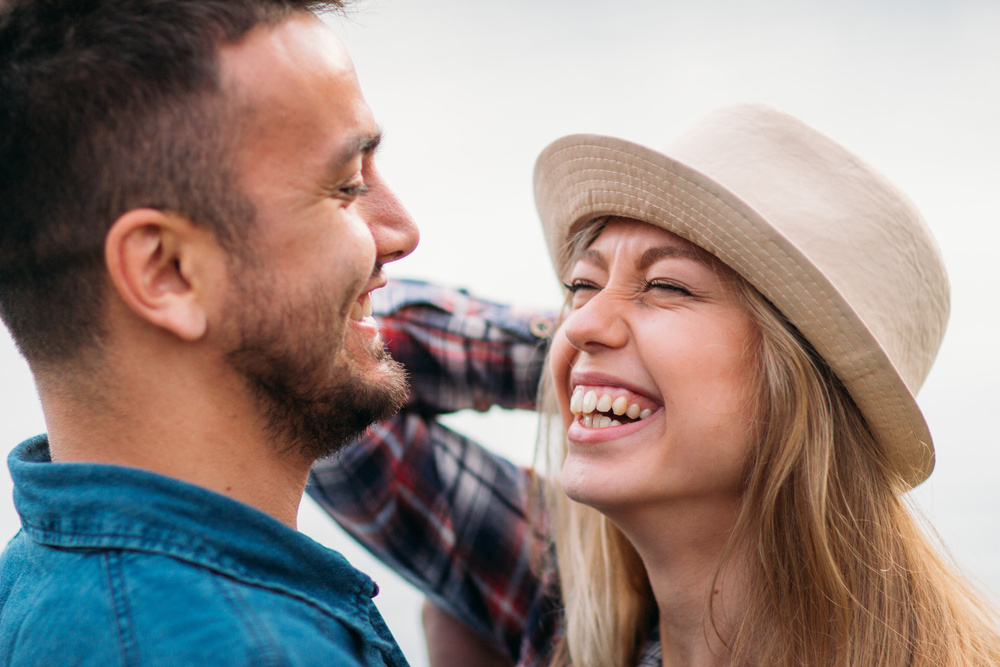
{"type": "Point", "coordinates": [653, 255]}
{"type": "Point", "coordinates": [594, 257]}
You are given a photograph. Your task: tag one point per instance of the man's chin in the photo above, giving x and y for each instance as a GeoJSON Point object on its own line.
{"type": "Point", "coordinates": [361, 342]}
{"type": "Point", "coordinates": [313, 417]}
{"type": "Point", "coordinates": [373, 390]}
{"type": "Point", "coordinates": [369, 362]}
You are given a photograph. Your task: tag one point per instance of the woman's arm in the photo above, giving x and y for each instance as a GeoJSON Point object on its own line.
{"type": "Point", "coordinates": [462, 352]}
{"type": "Point", "coordinates": [448, 515]}
{"type": "Point", "coordinates": [451, 643]}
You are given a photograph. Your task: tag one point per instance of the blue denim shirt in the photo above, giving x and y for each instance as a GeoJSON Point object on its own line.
{"type": "Point", "coordinates": [120, 566]}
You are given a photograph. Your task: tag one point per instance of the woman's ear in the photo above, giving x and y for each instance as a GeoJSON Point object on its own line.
{"type": "Point", "coordinates": [162, 265]}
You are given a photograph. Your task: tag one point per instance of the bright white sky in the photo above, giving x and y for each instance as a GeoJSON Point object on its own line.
{"type": "Point", "coordinates": [469, 93]}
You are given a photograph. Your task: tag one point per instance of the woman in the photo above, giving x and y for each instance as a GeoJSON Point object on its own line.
{"type": "Point", "coordinates": [748, 321]}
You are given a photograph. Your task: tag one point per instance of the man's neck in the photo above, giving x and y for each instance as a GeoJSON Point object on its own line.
{"type": "Point", "coordinates": [201, 430]}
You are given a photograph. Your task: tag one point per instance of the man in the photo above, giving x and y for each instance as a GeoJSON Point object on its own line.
{"type": "Point", "coordinates": [191, 226]}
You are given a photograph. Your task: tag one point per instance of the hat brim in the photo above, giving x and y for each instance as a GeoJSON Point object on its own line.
{"type": "Point", "coordinates": [582, 177]}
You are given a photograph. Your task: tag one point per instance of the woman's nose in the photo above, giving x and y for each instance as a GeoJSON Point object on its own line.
{"type": "Point", "coordinates": [597, 325]}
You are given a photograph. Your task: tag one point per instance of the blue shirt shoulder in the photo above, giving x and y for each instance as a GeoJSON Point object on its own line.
{"type": "Point", "coordinates": [117, 566]}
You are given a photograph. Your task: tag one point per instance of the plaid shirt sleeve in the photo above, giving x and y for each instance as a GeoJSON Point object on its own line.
{"type": "Point", "coordinates": [462, 352]}
{"type": "Point", "coordinates": [448, 515]}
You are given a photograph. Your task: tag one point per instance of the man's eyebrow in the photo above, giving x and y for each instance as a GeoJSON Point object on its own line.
{"type": "Point", "coordinates": [364, 145]}
{"type": "Point", "coordinates": [653, 255]}
{"type": "Point", "coordinates": [367, 145]}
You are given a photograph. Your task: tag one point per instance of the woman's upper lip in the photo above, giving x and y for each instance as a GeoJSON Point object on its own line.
{"type": "Point", "coordinates": [597, 378]}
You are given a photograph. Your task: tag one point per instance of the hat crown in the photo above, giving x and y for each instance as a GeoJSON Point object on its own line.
{"type": "Point", "coordinates": [864, 235]}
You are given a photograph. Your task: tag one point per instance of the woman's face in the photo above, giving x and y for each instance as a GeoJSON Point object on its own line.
{"type": "Point", "coordinates": [658, 346]}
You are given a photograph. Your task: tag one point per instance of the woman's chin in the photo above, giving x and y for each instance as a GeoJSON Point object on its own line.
{"type": "Point", "coordinates": [593, 484]}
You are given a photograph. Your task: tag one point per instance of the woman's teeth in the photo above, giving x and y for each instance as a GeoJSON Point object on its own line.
{"type": "Point", "coordinates": [586, 403]}
{"type": "Point", "coordinates": [362, 308]}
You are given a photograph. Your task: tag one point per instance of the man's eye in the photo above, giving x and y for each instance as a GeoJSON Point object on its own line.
{"type": "Point", "coordinates": [353, 191]}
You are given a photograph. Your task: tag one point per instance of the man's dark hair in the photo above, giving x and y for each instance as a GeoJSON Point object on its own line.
{"type": "Point", "coordinates": [107, 106]}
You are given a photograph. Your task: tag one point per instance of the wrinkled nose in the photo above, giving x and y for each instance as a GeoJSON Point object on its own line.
{"type": "Point", "coordinates": [596, 325]}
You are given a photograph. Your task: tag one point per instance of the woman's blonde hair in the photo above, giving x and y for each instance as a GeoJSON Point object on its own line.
{"type": "Point", "coordinates": [839, 571]}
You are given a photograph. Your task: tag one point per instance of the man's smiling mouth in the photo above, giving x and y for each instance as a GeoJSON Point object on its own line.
{"type": "Point", "coordinates": [362, 308]}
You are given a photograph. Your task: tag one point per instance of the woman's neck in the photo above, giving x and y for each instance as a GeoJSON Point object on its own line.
{"type": "Point", "coordinates": [681, 549]}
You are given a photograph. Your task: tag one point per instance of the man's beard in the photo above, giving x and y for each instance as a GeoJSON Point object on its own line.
{"type": "Point", "coordinates": [311, 392]}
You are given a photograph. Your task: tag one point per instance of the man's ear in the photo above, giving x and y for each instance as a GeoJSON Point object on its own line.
{"type": "Point", "coordinates": [162, 265]}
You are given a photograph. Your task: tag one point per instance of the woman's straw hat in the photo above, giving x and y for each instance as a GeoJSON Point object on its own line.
{"type": "Point", "coordinates": [841, 252]}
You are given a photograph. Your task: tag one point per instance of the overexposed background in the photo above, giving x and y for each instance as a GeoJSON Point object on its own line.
{"type": "Point", "coordinates": [468, 93]}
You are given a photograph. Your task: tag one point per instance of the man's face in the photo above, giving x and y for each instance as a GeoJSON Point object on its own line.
{"type": "Point", "coordinates": [297, 322]}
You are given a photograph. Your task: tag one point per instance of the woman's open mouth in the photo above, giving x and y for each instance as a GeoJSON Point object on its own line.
{"type": "Point", "coordinates": [603, 407]}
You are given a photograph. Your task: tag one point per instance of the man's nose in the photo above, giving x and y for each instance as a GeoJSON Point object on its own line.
{"type": "Point", "coordinates": [394, 231]}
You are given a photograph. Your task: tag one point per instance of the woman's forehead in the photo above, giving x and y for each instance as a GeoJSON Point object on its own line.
{"type": "Point", "coordinates": [643, 235]}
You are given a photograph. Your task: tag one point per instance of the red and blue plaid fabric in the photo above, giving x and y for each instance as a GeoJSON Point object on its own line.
{"type": "Point", "coordinates": [450, 516]}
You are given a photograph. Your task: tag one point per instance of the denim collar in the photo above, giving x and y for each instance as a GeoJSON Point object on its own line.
{"type": "Point", "coordinates": [88, 506]}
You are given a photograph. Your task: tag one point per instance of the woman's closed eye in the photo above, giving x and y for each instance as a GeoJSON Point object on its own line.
{"type": "Point", "coordinates": [582, 289]}
{"type": "Point", "coordinates": [666, 286]}
{"type": "Point", "coordinates": [580, 285]}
